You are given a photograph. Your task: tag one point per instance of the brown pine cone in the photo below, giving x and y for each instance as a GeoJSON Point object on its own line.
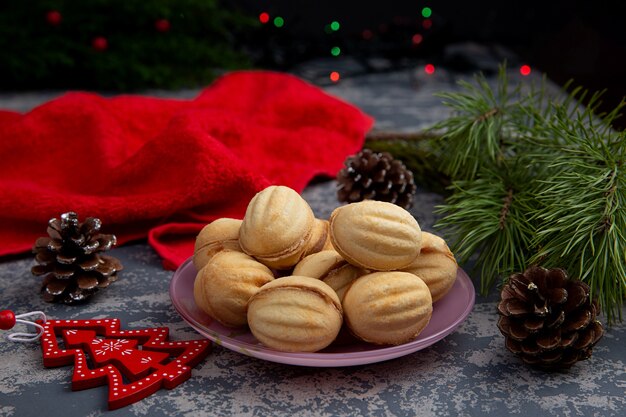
{"type": "Point", "coordinates": [371, 175]}
{"type": "Point", "coordinates": [548, 319]}
{"type": "Point", "coordinates": [71, 259]}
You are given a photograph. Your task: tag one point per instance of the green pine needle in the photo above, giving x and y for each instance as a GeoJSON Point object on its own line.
{"type": "Point", "coordinates": [536, 179]}
{"type": "Point", "coordinates": [478, 129]}
{"type": "Point", "coordinates": [488, 218]}
{"type": "Point", "coordinates": [581, 207]}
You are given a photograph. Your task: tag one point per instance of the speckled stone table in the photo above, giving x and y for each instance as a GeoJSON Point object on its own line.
{"type": "Point", "coordinates": [469, 373]}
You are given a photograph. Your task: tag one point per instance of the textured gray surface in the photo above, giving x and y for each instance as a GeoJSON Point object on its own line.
{"type": "Point", "coordinates": [469, 373]}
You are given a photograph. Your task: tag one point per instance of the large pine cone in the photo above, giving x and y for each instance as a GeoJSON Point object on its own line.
{"type": "Point", "coordinates": [371, 175]}
{"type": "Point", "coordinates": [548, 319]}
{"type": "Point", "coordinates": [71, 259]}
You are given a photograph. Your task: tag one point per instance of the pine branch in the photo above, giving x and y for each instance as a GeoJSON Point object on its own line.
{"type": "Point", "coordinates": [536, 179]}
{"type": "Point", "coordinates": [582, 206]}
{"type": "Point", "coordinates": [478, 132]}
{"type": "Point", "coordinates": [488, 218]}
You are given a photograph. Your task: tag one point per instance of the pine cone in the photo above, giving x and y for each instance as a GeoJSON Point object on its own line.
{"type": "Point", "coordinates": [71, 261]}
{"type": "Point", "coordinates": [548, 319]}
{"type": "Point", "coordinates": [371, 175]}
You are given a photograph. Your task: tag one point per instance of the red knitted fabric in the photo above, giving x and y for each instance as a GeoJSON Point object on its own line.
{"type": "Point", "coordinates": [161, 168]}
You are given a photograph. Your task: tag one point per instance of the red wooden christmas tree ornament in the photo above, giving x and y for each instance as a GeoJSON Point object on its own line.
{"type": "Point", "coordinates": [134, 363]}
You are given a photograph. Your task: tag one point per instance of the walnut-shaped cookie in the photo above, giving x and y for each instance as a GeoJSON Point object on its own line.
{"type": "Point", "coordinates": [295, 314]}
{"type": "Point", "coordinates": [387, 308]}
{"type": "Point", "coordinates": [330, 267]}
{"type": "Point", "coordinates": [277, 227]}
{"type": "Point", "coordinates": [216, 236]}
{"type": "Point", "coordinates": [436, 265]}
{"type": "Point", "coordinates": [375, 235]}
{"type": "Point", "coordinates": [320, 238]}
{"type": "Point", "coordinates": [223, 287]}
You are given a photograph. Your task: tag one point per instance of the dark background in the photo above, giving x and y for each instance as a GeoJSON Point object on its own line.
{"type": "Point", "coordinates": [583, 41]}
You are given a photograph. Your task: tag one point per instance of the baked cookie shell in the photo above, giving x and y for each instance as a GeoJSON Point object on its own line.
{"type": "Point", "coordinates": [375, 235]}
{"type": "Point", "coordinates": [295, 314]}
{"type": "Point", "coordinates": [387, 308]}
{"type": "Point", "coordinates": [435, 265]}
{"type": "Point", "coordinates": [340, 279]}
{"type": "Point", "coordinates": [278, 223]}
{"type": "Point", "coordinates": [224, 286]}
{"type": "Point", "coordinates": [218, 230]}
{"type": "Point", "coordinates": [216, 236]}
{"type": "Point", "coordinates": [330, 267]}
{"type": "Point", "coordinates": [317, 265]}
{"type": "Point", "coordinates": [319, 237]}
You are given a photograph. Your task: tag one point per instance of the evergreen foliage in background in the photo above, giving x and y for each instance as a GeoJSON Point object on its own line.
{"type": "Point", "coordinates": [535, 180]}
{"type": "Point", "coordinates": [194, 39]}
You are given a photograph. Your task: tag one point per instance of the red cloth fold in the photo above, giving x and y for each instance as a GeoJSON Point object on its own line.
{"type": "Point", "coordinates": [162, 168]}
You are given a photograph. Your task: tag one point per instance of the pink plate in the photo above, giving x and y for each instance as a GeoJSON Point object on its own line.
{"type": "Point", "coordinates": [448, 314]}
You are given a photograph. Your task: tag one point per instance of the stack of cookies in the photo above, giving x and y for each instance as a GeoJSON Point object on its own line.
{"type": "Point", "coordinates": [296, 280]}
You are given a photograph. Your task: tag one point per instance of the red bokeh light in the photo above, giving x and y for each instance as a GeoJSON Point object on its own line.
{"type": "Point", "coordinates": [429, 69]}
{"type": "Point", "coordinates": [367, 34]}
{"type": "Point", "coordinates": [100, 43]}
{"type": "Point", "coordinates": [427, 23]}
{"type": "Point", "coordinates": [264, 17]}
{"type": "Point", "coordinates": [524, 70]}
{"type": "Point", "coordinates": [162, 25]}
{"type": "Point", "coordinates": [334, 76]}
{"type": "Point", "coordinates": [417, 39]}
{"type": "Point", "coordinates": [53, 17]}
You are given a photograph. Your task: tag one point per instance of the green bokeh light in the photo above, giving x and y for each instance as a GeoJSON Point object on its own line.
{"type": "Point", "coordinates": [335, 51]}
{"type": "Point", "coordinates": [279, 22]}
{"type": "Point", "coordinates": [427, 12]}
{"type": "Point", "coordinates": [334, 25]}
